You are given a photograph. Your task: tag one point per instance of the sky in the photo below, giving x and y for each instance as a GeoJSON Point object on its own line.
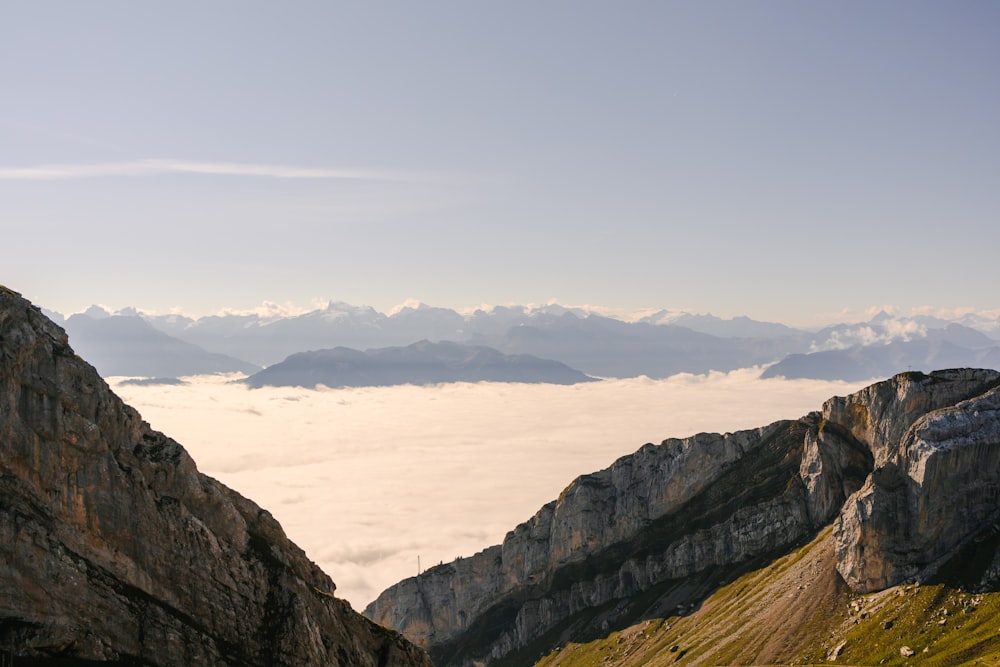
{"type": "Point", "coordinates": [775, 159]}
{"type": "Point", "coordinates": [448, 475]}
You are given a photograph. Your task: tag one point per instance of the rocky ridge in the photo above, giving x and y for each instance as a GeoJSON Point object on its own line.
{"type": "Point", "coordinates": [115, 549]}
{"type": "Point", "coordinates": [906, 471]}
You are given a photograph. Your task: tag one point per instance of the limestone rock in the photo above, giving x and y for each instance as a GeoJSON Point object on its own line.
{"type": "Point", "coordinates": [113, 547]}
{"type": "Point", "coordinates": [937, 486]}
{"type": "Point", "coordinates": [836, 652]}
{"type": "Point", "coordinates": [662, 514]}
{"type": "Point", "coordinates": [907, 469]}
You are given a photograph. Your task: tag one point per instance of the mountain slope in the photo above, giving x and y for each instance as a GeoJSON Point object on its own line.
{"type": "Point", "coordinates": [115, 549]}
{"type": "Point", "coordinates": [128, 345]}
{"type": "Point", "coordinates": [796, 610]}
{"type": "Point", "coordinates": [863, 362]}
{"type": "Point", "coordinates": [421, 363]}
{"type": "Point", "coordinates": [606, 347]}
{"type": "Point", "coordinates": [907, 471]}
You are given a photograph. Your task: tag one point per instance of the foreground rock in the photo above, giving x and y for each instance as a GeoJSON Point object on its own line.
{"type": "Point", "coordinates": [908, 470]}
{"type": "Point", "coordinates": [114, 548]}
{"type": "Point", "coordinates": [936, 482]}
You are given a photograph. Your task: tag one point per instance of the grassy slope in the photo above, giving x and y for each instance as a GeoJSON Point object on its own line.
{"type": "Point", "coordinates": [797, 610]}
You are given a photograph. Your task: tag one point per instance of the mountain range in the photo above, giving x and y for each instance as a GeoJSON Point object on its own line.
{"type": "Point", "coordinates": [864, 533]}
{"type": "Point", "coordinates": [657, 345]}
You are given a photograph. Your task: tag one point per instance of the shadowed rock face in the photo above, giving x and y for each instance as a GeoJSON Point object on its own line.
{"type": "Point", "coordinates": [114, 548]}
{"type": "Point", "coordinates": [907, 469]}
{"type": "Point", "coordinates": [935, 486]}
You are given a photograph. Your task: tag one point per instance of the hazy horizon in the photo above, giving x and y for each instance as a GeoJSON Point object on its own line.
{"type": "Point", "coordinates": [785, 161]}
{"type": "Point", "coordinates": [288, 308]}
{"type": "Point", "coordinates": [367, 480]}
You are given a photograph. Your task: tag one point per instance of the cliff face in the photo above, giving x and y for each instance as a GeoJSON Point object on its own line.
{"type": "Point", "coordinates": [907, 470]}
{"type": "Point", "coordinates": [114, 548]}
{"type": "Point", "coordinates": [936, 486]}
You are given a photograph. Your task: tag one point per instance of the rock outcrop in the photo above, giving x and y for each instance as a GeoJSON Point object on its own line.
{"type": "Point", "coordinates": [936, 485]}
{"type": "Point", "coordinates": [115, 549]}
{"type": "Point", "coordinates": [907, 469]}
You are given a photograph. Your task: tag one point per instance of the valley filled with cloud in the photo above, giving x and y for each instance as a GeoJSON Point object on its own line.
{"type": "Point", "coordinates": [369, 480]}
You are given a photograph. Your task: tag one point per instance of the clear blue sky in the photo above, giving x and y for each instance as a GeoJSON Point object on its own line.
{"type": "Point", "coordinates": [775, 159]}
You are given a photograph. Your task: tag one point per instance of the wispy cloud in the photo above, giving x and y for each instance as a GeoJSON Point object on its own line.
{"type": "Point", "coordinates": [863, 334]}
{"type": "Point", "coordinates": [153, 167]}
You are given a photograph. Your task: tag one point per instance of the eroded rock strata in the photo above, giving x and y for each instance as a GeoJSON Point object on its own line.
{"type": "Point", "coordinates": [115, 549]}
{"type": "Point", "coordinates": [907, 470]}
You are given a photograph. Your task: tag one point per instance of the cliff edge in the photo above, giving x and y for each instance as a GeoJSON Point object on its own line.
{"type": "Point", "coordinates": [906, 471]}
{"type": "Point", "coordinates": [115, 549]}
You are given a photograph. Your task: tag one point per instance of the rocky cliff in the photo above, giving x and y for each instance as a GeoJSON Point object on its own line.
{"type": "Point", "coordinates": [115, 549]}
{"type": "Point", "coordinates": [907, 470]}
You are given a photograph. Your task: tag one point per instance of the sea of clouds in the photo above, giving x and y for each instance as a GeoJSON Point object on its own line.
{"type": "Point", "coordinates": [370, 480]}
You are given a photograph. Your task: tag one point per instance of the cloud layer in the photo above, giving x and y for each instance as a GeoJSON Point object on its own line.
{"type": "Point", "coordinates": [368, 480]}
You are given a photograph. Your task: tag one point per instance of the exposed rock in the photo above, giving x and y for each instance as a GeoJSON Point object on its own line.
{"type": "Point", "coordinates": [661, 514]}
{"type": "Point", "coordinates": [114, 548]}
{"type": "Point", "coordinates": [834, 465]}
{"type": "Point", "coordinates": [878, 462]}
{"type": "Point", "coordinates": [936, 484]}
{"type": "Point", "coordinates": [836, 652]}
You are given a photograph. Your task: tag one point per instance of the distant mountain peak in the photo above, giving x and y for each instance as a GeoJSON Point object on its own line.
{"type": "Point", "coordinates": [97, 312]}
{"type": "Point", "coordinates": [881, 317]}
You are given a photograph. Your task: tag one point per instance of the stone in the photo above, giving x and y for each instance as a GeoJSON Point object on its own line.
{"type": "Point", "coordinates": [936, 446]}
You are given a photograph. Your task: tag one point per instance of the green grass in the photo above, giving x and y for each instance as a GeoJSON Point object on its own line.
{"type": "Point", "coordinates": [795, 610]}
